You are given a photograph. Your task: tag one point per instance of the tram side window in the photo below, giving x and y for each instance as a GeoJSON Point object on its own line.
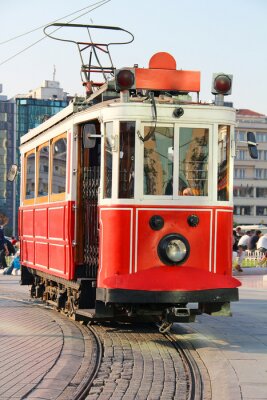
{"type": "Point", "coordinates": [158, 166]}
{"type": "Point", "coordinates": [109, 144]}
{"type": "Point", "coordinates": [43, 170]}
{"type": "Point", "coordinates": [193, 161]}
{"type": "Point", "coordinates": [126, 167]}
{"type": "Point", "coordinates": [30, 176]}
{"type": "Point", "coordinates": [223, 162]}
{"type": "Point", "coordinates": [59, 159]}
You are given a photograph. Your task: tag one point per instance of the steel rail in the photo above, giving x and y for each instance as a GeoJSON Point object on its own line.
{"type": "Point", "coordinates": [84, 387]}
{"type": "Point", "coordinates": [195, 388]}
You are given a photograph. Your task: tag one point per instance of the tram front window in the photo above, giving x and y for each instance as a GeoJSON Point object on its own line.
{"type": "Point", "coordinates": [158, 166]}
{"type": "Point", "coordinates": [193, 161]}
{"type": "Point", "coordinates": [223, 162]}
{"type": "Point", "coordinates": [108, 159]}
{"type": "Point", "coordinates": [126, 163]}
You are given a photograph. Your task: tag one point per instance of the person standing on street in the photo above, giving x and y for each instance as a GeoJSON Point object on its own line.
{"type": "Point", "coordinates": [252, 242]}
{"type": "Point", "coordinates": [262, 243]}
{"type": "Point", "coordinates": [239, 232]}
{"type": "Point", "coordinates": [3, 249]}
{"type": "Point", "coordinates": [243, 241]}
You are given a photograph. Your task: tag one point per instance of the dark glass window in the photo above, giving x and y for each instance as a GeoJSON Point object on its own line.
{"type": "Point", "coordinates": [30, 176]}
{"type": "Point", "coordinates": [261, 210]}
{"type": "Point", "coordinates": [126, 167]}
{"type": "Point", "coordinates": [193, 161]}
{"type": "Point", "coordinates": [109, 144]}
{"type": "Point", "coordinates": [223, 162]}
{"type": "Point", "coordinates": [59, 154]}
{"type": "Point", "coordinates": [158, 166]}
{"type": "Point", "coordinates": [261, 192]}
{"type": "Point", "coordinates": [243, 210]}
{"type": "Point", "coordinates": [43, 155]}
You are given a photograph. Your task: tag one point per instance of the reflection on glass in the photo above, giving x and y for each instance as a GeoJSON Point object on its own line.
{"type": "Point", "coordinates": [193, 161]}
{"type": "Point", "coordinates": [126, 174]}
{"type": "Point", "coordinates": [109, 143]}
{"type": "Point", "coordinates": [158, 163]}
{"type": "Point", "coordinates": [30, 176]}
{"type": "Point", "coordinates": [43, 171]}
{"type": "Point", "coordinates": [223, 162]}
{"type": "Point", "coordinates": [59, 154]}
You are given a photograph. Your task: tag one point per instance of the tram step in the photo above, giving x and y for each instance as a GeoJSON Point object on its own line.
{"type": "Point", "coordinates": [86, 312]}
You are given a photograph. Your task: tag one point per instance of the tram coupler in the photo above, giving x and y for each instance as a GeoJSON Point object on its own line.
{"type": "Point", "coordinates": [179, 314]}
{"type": "Point", "coordinates": [165, 327]}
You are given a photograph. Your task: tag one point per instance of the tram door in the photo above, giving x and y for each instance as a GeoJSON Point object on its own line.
{"type": "Point", "coordinates": [91, 157]}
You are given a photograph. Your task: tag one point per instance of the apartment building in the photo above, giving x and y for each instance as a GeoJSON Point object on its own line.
{"type": "Point", "coordinates": [250, 176]}
{"type": "Point", "coordinates": [7, 157]}
{"type": "Point", "coordinates": [17, 117]}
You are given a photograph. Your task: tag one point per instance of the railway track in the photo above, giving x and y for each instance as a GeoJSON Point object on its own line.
{"type": "Point", "coordinates": [129, 361]}
{"type": "Point", "coordinates": [138, 362]}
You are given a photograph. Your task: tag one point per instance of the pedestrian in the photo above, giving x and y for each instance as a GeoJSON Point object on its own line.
{"type": "Point", "coordinates": [243, 241]}
{"type": "Point", "coordinates": [262, 243]}
{"type": "Point", "coordinates": [13, 240]}
{"type": "Point", "coordinates": [3, 249]}
{"type": "Point", "coordinates": [252, 242]}
{"type": "Point", "coordinates": [235, 241]}
{"type": "Point", "coordinates": [238, 257]}
{"type": "Point", "coordinates": [15, 265]}
{"type": "Point", "coordinates": [241, 248]}
{"type": "Point", "coordinates": [239, 232]}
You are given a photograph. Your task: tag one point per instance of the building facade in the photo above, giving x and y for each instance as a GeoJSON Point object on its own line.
{"type": "Point", "coordinates": [7, 158]}
{"type": "Point", "coordinates": [17, 117]}
{"type": "Point", "coordinates": [250, 176]}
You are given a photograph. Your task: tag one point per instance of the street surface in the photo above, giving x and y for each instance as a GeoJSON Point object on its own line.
{"type": "Point", "coordinates": [233, 350]}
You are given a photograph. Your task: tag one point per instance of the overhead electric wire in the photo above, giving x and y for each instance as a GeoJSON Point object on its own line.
{"type": "Point", "coordinates": [98, 4]}
{"type": "Point", "coordinates": [42, 26]}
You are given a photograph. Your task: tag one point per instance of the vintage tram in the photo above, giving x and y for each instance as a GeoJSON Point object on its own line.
{"type": "Point", "coordinates": [126, 198]}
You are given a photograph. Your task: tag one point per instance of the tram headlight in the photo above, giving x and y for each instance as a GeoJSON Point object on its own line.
{"type": "Point", "coordinates": [173, 249]}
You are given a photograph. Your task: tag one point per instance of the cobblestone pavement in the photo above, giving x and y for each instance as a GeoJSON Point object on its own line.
{"type": "Point", "coordinates": [139, 363]}
{"type": "Point", "coordinates": [43, 355]}
{"type": "Point", "coordinates": [37, 357]}
{"type": "Point", "coordinates": [234, 349]}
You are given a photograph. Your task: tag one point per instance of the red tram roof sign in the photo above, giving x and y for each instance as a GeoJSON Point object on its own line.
{"type": "Point", "coordinates": [166, 76]}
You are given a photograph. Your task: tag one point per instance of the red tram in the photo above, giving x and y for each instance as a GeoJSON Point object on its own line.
{"type": "Point", "coordinates": [126, 198]}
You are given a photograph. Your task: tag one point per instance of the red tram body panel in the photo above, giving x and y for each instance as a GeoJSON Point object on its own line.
{"type": "Point", "coordinates": [126, 200]}
{"type": "Point", "coordinates": [46, 238]}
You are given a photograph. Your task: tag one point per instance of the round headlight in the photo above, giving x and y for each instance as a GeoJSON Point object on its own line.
{"type": "Point", "coordinates": [176, 250]}
{"type": "Point", "coordinates": [173, 249]}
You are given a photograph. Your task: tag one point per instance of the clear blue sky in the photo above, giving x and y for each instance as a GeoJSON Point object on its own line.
{"type": "Point", "coordinates": [207, 35]}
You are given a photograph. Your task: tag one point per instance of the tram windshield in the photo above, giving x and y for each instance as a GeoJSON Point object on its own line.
{"type": "Point", "coordinates": [160, 153]}
{"type": "Point", "coordinates": [193, 161]}
{"type": "Point", "coordinates": [158, 167]}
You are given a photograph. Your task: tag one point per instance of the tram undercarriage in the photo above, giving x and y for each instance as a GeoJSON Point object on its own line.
{"type": "Point", "coordinates": [81, 300]}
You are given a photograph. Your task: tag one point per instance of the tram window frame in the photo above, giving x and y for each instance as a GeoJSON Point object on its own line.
{"type": "Point", "coordinates": [61, 195]}
{"type": "Point", "coordinates": [126, 179]}
{"type": "Point", "coordinates": [193, 192]}
{"type": "Point", "coordinates": [29, 200]}
{"type": "Point", "coordinates": [42, 198]}
{"type": "Point", "coordinates": [226, 154]}
{"type": "Point", "coordinates": [147, 128]}
{"type": "Point", "coordinates": [109, 147]}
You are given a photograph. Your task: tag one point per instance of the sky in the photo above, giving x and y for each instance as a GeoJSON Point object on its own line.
{"type": "Point", "coordinates": [205, 35]}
